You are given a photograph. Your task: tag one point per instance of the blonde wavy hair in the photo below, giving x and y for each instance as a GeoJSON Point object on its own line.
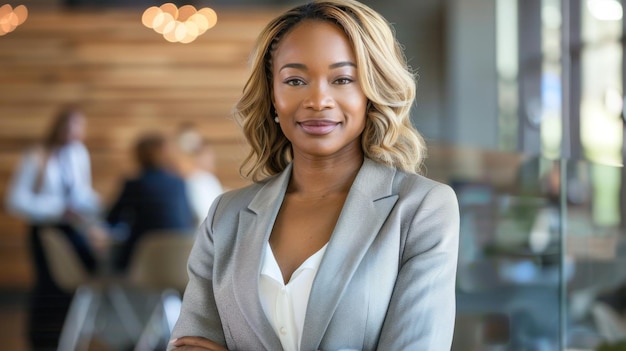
{"type": "Point", "coordinates": [385, 78]}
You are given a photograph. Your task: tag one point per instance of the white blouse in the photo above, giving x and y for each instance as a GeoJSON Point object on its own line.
{"type": "Point", "coordinates": [66, 184]}
{"type": "Point", "coordinates": [285, 305]}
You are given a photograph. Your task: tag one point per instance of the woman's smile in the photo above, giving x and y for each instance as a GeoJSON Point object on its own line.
{"type": "Point", "coordinates": [318, 126]}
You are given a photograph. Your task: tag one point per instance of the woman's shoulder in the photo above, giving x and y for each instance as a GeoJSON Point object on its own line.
{"type": "Point", "coordinates": [241, 197]}
{"type": "Point", "coordinates": [229, 204]}
{"type": "Point", "coordinates": [420, 186]}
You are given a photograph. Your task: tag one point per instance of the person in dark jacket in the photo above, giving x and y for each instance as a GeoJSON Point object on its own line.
{"type": "Point", "coordinates": [155, 200]}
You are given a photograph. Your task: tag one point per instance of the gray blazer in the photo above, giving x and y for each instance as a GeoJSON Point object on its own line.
{"type": "Point", "coordinates": [386, 281]}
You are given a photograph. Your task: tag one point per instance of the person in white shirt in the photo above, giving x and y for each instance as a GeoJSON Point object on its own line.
{"type": "Point", "coordinates": [195, 162]}
{"type": "Point", "coordinates": [202, 184]}
{"type": "Point", "coordinates": [52, 187]}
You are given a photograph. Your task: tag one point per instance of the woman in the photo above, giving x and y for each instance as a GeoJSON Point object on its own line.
{"type": "Point", "coordinates": [52, 188]}
{"type": "Point", "coordinates": [339, 244]}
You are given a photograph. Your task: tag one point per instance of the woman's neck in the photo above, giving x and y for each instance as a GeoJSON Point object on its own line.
{"type": "Point", "coordinates": [313, 177]}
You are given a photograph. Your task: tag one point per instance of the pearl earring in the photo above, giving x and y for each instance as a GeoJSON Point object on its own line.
{"type": "Point", "coordinates": [276, 119]}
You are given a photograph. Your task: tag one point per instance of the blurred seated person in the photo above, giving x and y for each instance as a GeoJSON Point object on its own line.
{"type": "Point", "coordinates": [156, 199]}
{"type": "Point", "coordinates": [52, 188]}
{"type": "Point", "coordinates": [195, 162]}
{"type": "Point", "coordinates": [202, 184]}
{"type": "Point", "coordinates": [187, 141]}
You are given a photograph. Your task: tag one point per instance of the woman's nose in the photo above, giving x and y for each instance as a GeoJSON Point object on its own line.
{"type": "Point", "coordinates": [319, 97]}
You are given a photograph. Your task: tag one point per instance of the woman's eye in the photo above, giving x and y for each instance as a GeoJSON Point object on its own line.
{"type": "Point", "coordinates": [294, 82]}
{"type": "Point", "coordinates": [342, 81]}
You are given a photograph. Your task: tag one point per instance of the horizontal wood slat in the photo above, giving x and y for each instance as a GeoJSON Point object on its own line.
{"type": "Point", "coordinates": [131, 76]}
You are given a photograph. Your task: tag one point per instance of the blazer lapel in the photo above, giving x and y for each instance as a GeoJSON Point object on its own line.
{"type": "Point", "coordinates": [366, 208]}
{"type": "Point", "coordinates": [255, 226]}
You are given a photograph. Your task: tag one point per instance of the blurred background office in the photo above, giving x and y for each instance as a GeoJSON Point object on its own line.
{"type": "Point", "coordinates": [521, 102]}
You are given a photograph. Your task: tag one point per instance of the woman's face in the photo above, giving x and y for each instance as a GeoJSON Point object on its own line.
{"type": "Point", "coordinates": [316, 91]}
{"type": "Point", "coordinates": [76, 127]}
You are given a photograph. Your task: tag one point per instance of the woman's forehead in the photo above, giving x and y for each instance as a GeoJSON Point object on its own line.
{"type": "Point", "coordinates": [314, 40]}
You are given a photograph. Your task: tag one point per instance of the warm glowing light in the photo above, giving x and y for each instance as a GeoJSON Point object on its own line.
{"type": "Point", "coordinates": [182, 25]}
{"type": "Point", "coordinates": [605, 10]}
{"type": "Point", "coordinates": [161, 21]}
{"type": "Point", "coordinates": [185, 12]}
{"type": "Point", "coordinates": [149, 15]}
{"type": "Point", "coordinates": [210, 15]}
{"type": "Point", "coordinates": [171, 9]}
{"type": "Point", "coordinates": [170, 28]}
{"type": "Point", "coordinates": [22, 14]}
{"type": "Point", "coordinates": [5, 10]}
{"type": "Point", "coordinates": [180, 32]}
{"type": "Point", "coordinates": [170, 33]}
{"type": "Point", "coordinates": [158, 20]}
{"type": "Point", "coordinates": [201, 22]}
{"type": "Point", "coordinates": [11, 18]}
{"type": "Point", "coordinates": [5, 26]}
{"type": "Point", "coordinates": [192, 32]}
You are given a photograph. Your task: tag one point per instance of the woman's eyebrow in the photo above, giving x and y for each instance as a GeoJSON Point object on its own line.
{"type": "Point", "coordinates": [304, 67]}
{"type": "Point", "coordinates": [294, 65]}
{"type": "Point", "coordinates": [342, 64]}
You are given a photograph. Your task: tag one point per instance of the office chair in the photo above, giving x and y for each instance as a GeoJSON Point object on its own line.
{"type": "Point", "coordinates": [158, 265]}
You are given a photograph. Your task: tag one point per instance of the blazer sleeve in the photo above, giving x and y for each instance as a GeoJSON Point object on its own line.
{"type": "Point", "coordinates": [199, 315]}
{"type": "Point", "coordinates": [421, 312]}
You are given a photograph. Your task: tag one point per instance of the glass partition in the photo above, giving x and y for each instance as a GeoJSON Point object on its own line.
{"type": "Point", "coordinates": [509, 256]}
{"type": "Point", "coordinates": [542, 251]}
{"type": "Point", "coordinates": [542, 254]}
{"type": "Point", "coordinates": [595, 250]}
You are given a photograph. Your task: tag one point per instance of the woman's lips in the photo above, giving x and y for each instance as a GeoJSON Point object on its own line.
{"type": "Point", "coordinates": [320, 127]}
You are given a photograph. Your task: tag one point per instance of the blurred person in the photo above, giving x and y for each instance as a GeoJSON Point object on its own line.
{"type": "Point", "coordinates": [340, 243]}
{"type": "Point", "coordinates": [195, 162]}
{"type": "Point", "coordinates": [156, 199]}
{"type": "Point", "coordinates": [202, 184]}
{"type": "Point", "coordinates": [52, 187]}
{"type": "Point", "coordinates": [187, 141]}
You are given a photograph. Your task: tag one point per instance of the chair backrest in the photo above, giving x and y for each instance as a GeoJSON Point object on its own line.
{"type": "Point", "coordinates": [66, 268]}
{"type": "Point", "coordinates": [160, 260]}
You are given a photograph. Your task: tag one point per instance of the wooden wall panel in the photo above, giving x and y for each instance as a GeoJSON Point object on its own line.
{"type": "Point", "coordinates": [128, 80]}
